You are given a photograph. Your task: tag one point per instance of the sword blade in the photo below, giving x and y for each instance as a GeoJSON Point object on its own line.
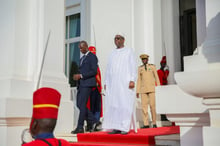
{"type": "Point", "coordinates": [42, 62]}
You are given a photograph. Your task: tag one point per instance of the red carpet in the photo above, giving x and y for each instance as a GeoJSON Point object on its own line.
{"type": "Point", "coordinates": [142, 137]}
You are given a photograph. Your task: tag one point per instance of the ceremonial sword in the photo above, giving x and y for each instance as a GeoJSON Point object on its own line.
{"type": "Point", "coordinates": [26, 135]}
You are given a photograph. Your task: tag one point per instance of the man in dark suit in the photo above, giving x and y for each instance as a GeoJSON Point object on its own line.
{"type": "Point", "coordinates": [86, 81]}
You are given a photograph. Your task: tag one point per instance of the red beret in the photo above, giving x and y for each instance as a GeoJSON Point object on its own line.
{"type": "Point", "coordinates": [92, 49]}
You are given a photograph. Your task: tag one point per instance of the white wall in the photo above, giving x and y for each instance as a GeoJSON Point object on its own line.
{"type": "Point", "coordinates": [108, 18]}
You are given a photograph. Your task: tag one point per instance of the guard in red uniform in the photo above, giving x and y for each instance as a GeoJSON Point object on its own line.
{"type": "Point", "coordinates": [163, 72]}
{"type": "Point", "coordinates": [46, 103]}
{"type": "Point", "coordinates": [95, 99]}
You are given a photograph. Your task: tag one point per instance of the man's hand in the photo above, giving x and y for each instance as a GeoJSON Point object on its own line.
{"type": "Point", "coordinates": [137, 94]}
{"type": "Point", "coordinates": [76, 77]}
{"type": "Point", "coordinates": [131, 85]}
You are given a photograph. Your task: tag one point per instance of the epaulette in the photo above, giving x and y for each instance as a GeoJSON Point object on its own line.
{"type": "Point", "coordinates": [152, 64]}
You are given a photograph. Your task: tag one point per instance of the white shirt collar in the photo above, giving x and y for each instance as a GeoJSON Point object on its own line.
{"type": "Point", "coordinates": [86, 53]}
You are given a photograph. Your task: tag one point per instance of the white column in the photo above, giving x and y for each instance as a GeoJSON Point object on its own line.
{"type": "Point", "coordinates": [24, 28]}
{"type": "Point", "coordinates": [140, 41]}
{"type": "Point", "coordinates": [16, 78]}
{"type": "Point", "coordinates": [157, 32]}
{"type": "Point", "coordinates": [171, 36]}
{"type": "Point", "coordinates": [148, 30]}
{"type": "Point", "coordinates": [201, 21]}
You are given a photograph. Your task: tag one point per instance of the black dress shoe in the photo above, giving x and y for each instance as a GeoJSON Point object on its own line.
{"type": "Point", "coordinates": [88, 128]}
{"type": "Point", "coordinates": [98, 126]}
{"type": "Point", "coordinates": [124, 133]}
{"type": "Point", "coordinates": [93, 127]}
{"type": "Point", "coordinates": [147, 126]}
{"type": "Point", "coordinates": [115, 132]}
{"type": "Point", "coordinates": [77, 130]}
{"type": "Point", "coordinates": [154, 126]}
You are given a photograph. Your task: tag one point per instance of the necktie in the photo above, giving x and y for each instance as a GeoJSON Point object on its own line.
{"type": "Point", "coordinates": [145, 65]}
{"type": "Point", "coordinates": [81, 60]}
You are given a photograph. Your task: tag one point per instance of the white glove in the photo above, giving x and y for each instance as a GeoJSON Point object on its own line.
{"type": "Point", "coordinates": [166, 67]}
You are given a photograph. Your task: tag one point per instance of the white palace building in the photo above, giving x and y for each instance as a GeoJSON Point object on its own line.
{"type": "Point", "coordinates": [186, 31]}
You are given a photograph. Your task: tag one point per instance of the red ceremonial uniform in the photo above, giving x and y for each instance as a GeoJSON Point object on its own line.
{"type": "Point", "coordinates": [163, 74]}
{"type": "Point", "coordinates": [51, 141]}
{"type": "Point", "coordinates": [98, 81]}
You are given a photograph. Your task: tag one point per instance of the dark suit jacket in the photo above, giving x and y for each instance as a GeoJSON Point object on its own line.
{"type": "Point", "coordinates": [88, 69]}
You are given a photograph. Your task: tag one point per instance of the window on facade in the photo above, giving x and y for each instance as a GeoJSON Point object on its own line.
{"type": "Point", "coordinates": [72, 52]}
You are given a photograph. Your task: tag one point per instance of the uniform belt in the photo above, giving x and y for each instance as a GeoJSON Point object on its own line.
{"type": "Point", "coordinates": [44, 140]}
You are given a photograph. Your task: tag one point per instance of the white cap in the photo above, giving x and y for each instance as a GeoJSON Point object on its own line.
{"type": "Point", "coordinates": [121, 34]}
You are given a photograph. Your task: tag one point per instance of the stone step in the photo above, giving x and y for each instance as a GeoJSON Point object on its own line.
{"type": "Point", "coordinates": [164, 123]}
{"type": "Point", "coordinates": [168, 140]}
{"type": "Point", "coordinates": [67, 136]}
{"type": "Point", "coordinates": [165, 140]}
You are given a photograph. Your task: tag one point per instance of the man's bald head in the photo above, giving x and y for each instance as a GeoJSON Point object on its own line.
{"type": "Point", "coordinates": [83, 46]}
